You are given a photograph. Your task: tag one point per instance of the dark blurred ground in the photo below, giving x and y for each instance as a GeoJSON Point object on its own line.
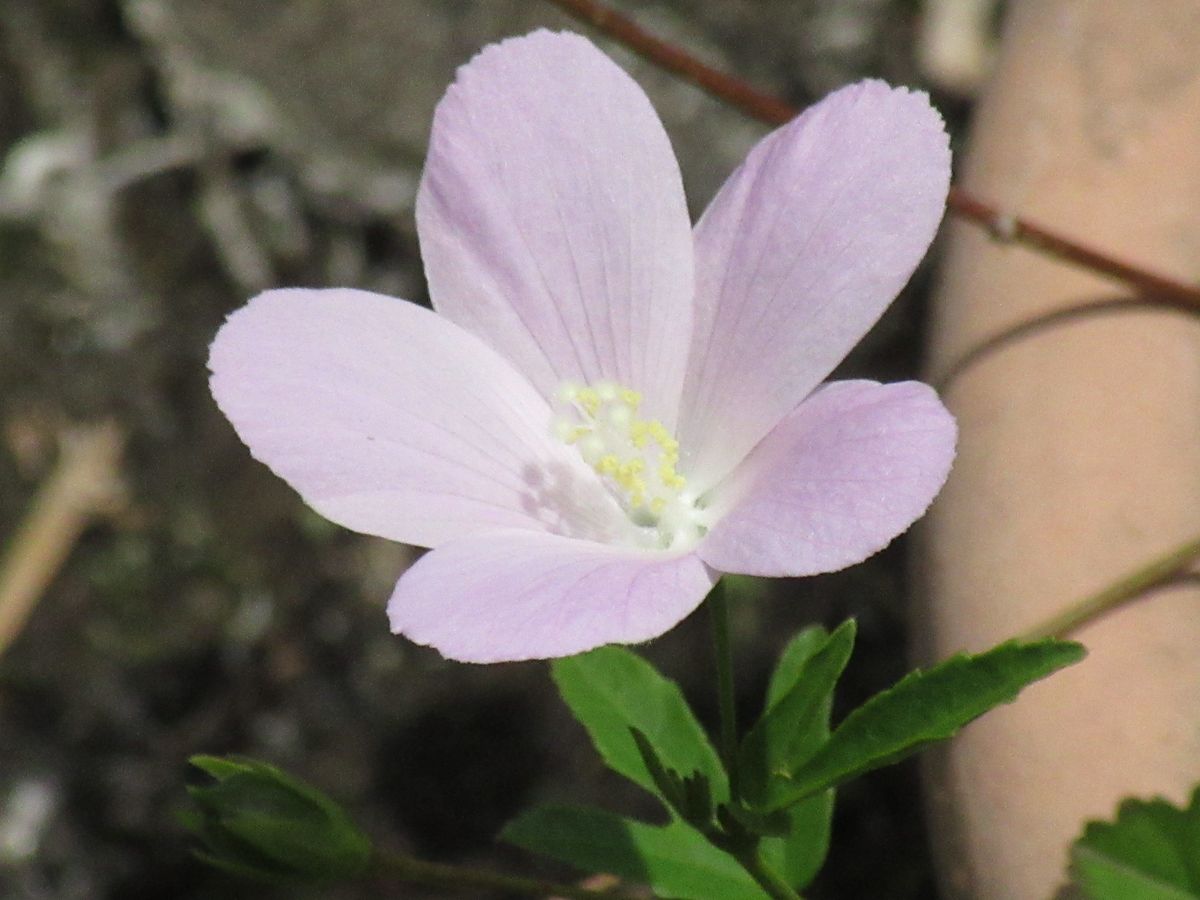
{"type": "Point", "coordinates": [163, 160]}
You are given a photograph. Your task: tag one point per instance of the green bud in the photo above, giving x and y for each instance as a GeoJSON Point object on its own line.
{"type": "Point", "coordinates": [257, 822]}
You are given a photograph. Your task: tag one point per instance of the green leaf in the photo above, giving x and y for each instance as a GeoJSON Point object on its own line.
{"type": "Point", "coordinates": [688, 796]}
{"type": "Point", "coordinates": [799, 855]}
{"type": "Point", "coordinates": [920, 709]}
{"type": "Point", "coordinates": [1151, 852]}
{"type": "Point", "coordinates": [257, 821]}
{"type": "Point", "coordinates": [220, 767]}
{"type": "Point", "coordinates": [674, 860]}
{"type": "Point", "coordinates": [612, 690]}
{"type": "Point", "coordinates": [791, 662]}
{"type": "Point", "coordinates": [796, 725]}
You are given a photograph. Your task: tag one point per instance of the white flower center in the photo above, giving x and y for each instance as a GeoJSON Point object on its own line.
{"type": "Point", "coordinates": [636, 458]}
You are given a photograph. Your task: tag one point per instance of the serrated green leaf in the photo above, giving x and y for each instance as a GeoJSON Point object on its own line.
{"type": "Point", "coordinates": [667, 782]}
{"type": "Point", "coordinates": [791, 661]}
{"type": "Point", "coordinates": [612, 690]}
{"type": "Point", "coordinates": [922, 708]}
{"type": "Point", "coordinates": [1151, 852]}
{"type": "Point", "coordinates": [674, 860]}
{"type": "Point", "coordinates": [797, 724]}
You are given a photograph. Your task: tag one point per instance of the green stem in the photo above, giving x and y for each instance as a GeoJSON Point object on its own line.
{"type": "Point", "coordinates": [1127, 588]}
{"type": "Point", "coordinates": [718, 610]}
{"type": "Point", "coordinates": [768, 879]}
{"type": "Point", "coordinates": [440, 875]}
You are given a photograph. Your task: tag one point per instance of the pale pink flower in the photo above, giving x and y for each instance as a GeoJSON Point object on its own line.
{"type": "Point", "coordinates": [609, 408]}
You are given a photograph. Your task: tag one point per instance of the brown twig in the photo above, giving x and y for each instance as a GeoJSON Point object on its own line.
{"type": "Point", "coordinates": [84, 484]}
{"type": "Point", "coordinates": [1007, 228]}
{"type": "Point", "coordinates": [674, 59]}
{"type": "Point", "coordinates": [773, 111]}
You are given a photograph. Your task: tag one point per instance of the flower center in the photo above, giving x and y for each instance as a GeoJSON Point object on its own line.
{"type": "Point", "coordinates": [636, 458]}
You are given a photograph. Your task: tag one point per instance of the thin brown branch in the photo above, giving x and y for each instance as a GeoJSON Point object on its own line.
{"type": "Point", "coordinates": [773, 111]}
{"type": "Point", "coordinates": [674, 59]}
{"type": "Point", "coordinates": [1013, 229]}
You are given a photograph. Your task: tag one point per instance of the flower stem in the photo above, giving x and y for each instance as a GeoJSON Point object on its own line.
{"type": "Point", "coordinates": [773, 111]}
{"type": "Point", "coordinates": [441, 875]}
{"type": "Point", "coordinates": [1127, 588]}
{"type": "Point", "coordinates": [768, 879]}
{"type": "Point", "coordinates": [718, 611]}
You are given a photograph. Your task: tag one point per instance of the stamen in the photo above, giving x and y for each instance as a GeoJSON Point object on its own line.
{"type": "Point", "coordinates": [637, 458]}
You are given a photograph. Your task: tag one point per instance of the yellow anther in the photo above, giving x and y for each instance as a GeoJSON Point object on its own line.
{"type": "Point", "coordinates": [637, 458]}
{"type": "Point", "coordinates": [589, 399]}
{"type": "Point", "coordinates": [628, 476]}
{"type": "Point", "coordinates": [636, 488]}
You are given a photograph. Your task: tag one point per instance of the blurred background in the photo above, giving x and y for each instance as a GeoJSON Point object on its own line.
{"type": "Point", "coordinates": [163, 594]}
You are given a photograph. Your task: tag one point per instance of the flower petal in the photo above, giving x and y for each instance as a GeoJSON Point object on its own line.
{"type": "Point", "coordinates": [519, 595]}
{"type": "Point", "coordinates": [392, 421]}
{"type": "Point", "coordinates": [799, 254]}
{"type": "Point", "coordinates": [854, 466]}
{"type": "Point", "coordinates": [553, 222]}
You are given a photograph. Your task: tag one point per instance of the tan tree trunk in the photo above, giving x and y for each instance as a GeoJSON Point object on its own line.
{"type": "Point", "coordinates": [1080, 450]}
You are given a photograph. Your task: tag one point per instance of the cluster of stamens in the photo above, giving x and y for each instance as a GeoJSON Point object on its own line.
{"type": "Point", "coordinates": [636, 457]}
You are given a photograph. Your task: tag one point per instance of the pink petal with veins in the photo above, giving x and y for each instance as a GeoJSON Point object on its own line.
{"type": "Point", "coordinates": [855, 465]}
{"type": "Point", "coordinates": [553, 222]}
{"type": "Point", "coordinates": [519, 595]}
{"type": "Point", "coordinates": [390, 420]}
{"type": "Point", "coordinates": [798, 255]}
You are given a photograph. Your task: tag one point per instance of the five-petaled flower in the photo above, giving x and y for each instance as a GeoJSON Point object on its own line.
{"type": "Point", "coordinates": [609, 408]}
